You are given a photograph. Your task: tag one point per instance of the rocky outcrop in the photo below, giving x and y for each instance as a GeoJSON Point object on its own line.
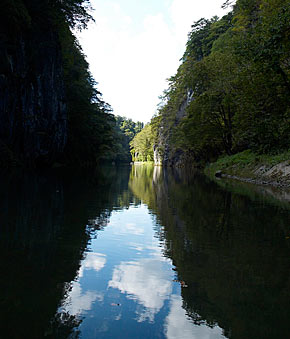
{"type": "Point", "coordinates": [256, 172]}
{"type": "Point", "coordinates": [33, 117]}
{"type": "Point", "coordinates": [165, 152]}
{"type": "Point", "coordinates": [263, 174]}
{"type": "Point", "coordinates": [157, 156]}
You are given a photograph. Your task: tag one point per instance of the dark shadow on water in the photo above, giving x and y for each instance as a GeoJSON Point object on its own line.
{"type": "Point", "coordinates": [43, 236]}
{"type": "Point", "coordinates": [231, 250]}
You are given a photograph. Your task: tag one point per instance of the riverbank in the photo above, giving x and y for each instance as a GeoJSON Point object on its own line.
{"type": "Point", "coordinates": [249, 167]}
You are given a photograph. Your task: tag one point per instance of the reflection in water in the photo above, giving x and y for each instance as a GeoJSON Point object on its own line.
{"type": "Point", "coordinates": [178, 324]}
{"type": "Point", "coordinates": [95, 261]}
{"type": "Point", "coordinates": [232, 252]}
{"type": "Point", "coordinates": [135, 291]}
{"type": "Point", "coordinates": [146, 281]}
{"type": "Point", "coordinates": [43, 236]}
{"type": "Point", "coordinates": [141, 253]}
{"type": "Point", "coordinates": [77, 302]}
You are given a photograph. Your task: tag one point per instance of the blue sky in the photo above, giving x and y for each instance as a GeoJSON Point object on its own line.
{"type": "Point", "coordinates": [135, 45]}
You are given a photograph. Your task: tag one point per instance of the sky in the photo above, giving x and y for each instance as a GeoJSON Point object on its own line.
{"type": "Point", "coordinates": [135, 45]}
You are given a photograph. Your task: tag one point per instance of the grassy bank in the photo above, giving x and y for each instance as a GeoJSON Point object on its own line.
{"type": "Point", "coordinates": [260, 168]}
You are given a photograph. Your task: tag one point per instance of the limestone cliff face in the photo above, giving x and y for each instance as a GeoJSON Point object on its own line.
{"type": "Point", "coordinates": [165, 152]}
{"type": "Point", "coordinates": [33, 116]}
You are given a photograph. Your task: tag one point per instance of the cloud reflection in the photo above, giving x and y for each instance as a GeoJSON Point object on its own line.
{"type": "Point", "coordinates": [179, 325]}
{"type": "Point", "coordinates": [78, 302]}
{"type": "Point", "coordinates": [145, 281]}
{"type": "Point", "coordinates": [133, 228]}
{"type": "Point", "coordinates": [93, 261]}
{"type": "Point", "coordinates": [127, 228]}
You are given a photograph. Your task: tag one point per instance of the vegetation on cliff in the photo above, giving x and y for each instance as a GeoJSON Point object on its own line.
{"type": "Point", "coordinates": [50, 108]}
{"type": "Point", "coordinates": [231, 92]}
{"type": "Point", "coordinates": [251, 167]}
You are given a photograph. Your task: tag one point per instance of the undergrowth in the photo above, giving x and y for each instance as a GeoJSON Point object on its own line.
{"type": "Point", "coordinates": [246, 161]}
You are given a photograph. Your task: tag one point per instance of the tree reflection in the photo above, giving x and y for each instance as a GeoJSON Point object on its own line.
{"type": "Point", "coordinates": [63, 325]}
{"type": "Point", "coordinates": [44, 232]}
{"type": "Point", "coordinates": [230, 251]}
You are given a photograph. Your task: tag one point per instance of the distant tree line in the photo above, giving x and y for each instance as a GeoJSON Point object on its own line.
{"type": "Point", "coordinates": [125, 130]}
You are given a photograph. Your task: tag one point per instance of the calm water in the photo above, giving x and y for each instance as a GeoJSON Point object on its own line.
{"type": "Point", "coordinates": [141, 252]}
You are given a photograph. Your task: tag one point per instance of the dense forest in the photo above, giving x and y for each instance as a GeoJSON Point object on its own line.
{"type": "Point", "coordinates": [51, 111]}
{"type": "Point", "coordinates": [231, 91]}
{"type": "Point", "coordinates": [125, 131]}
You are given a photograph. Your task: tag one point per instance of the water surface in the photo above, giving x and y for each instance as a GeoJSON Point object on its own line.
{"type": "Point", "coordinates": [141, 252]}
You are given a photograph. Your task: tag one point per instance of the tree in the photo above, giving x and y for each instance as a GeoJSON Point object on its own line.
{"type": "Point", "coordinates": [142, 145]}
{"type": "Point", "coordinates": [231, 91]}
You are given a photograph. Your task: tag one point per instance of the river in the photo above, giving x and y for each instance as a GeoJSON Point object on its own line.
{"type": "Point", "coordinates": [141, 252]}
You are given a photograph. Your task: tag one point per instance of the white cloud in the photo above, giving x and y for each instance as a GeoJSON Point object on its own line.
{"type": "Point", "coordinates": [78, 302]}
{"type": "Point", "coordinates": [133, 228]}
{"type": "Point", "coordinates": [116, 7]}
{"type": "Point", "coordinates": [131, 62]}
{"type": "Point", "coordinates": [178, 324]}
{"type": "Point", "coordinates": [93, 261]}
{"type": "Point", "coordinates": [127, 228]}
{"type": "Point", "coordinates": [144, 281]}
{"type": "Point", "coordinates": [137, 247]}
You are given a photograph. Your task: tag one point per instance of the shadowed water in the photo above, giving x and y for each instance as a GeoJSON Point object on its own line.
{"type": "Point", "coordinates": [141, 252]}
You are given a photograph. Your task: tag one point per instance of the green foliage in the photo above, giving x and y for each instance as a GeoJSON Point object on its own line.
{"type": "Point", "coordinates": [90, 125]}
{"type": "Point", "coordinates": [232, 90]}
{"type": "Point", "coordinates": [142, 145]}
{"type": "Point", "coordinates": [247, 164]}
{"type": "Point", "coordinates": [124, 131]}
{"type": "Point", "coordinates": [76, 12]}
{"type": "Point", "coordinates": [247, 157]}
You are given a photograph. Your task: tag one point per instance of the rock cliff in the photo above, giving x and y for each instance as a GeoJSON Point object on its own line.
{"type": "Point", "coordinates": [33, 116]}
{"type": "Point", "coordinates": [165, 152]}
